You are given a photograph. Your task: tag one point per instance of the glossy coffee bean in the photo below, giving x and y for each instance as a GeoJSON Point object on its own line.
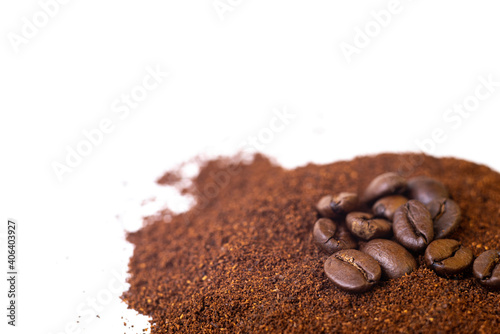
{"type": "Point", "coordinates": [394, 259]}
{"type": "Point", "coordinates": [338, 205]}
{"type": "Point", "coordinates": [344, 203]}
{"type": "Point", "coordinates": [446, 215]}
{"type": "Point", "coordinates": [425, 189]}
{"type": "Point", "coordinates": [384, 185]}
{"type": "Point", "coordinates": [413, 226]}
{"type": "Point", "coordinates": [324, 208]}
{"type": "Point", "coordinates": [387, 206]}
{"type": "Point", "coordinates": [352, 270]}
{"type": "Point", "coordinates": [331, 237]}
{"type": "Point", "coordinates": [447, 257]}
{"type": "Point", "coordinates": [365, 227]}
{"type": "Point", "coordinates": [486, 269]}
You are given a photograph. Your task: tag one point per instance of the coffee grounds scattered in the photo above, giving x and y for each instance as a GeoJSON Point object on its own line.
{"type": "Point", "coordinates": [243, 259]}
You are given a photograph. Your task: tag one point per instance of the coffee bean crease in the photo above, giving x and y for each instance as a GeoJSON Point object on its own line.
{"type": "Point", "coordinates": [490, 268]}
{"type": "Point", "coordinates": [350, 260]}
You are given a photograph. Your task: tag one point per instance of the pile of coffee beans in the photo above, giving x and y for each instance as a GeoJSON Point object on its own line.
{"type": "Point", "coordinates": [394, 221]}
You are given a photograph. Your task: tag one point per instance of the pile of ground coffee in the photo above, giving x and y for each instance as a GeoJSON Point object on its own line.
{"type": "Point", "coordinates": [243, 259]}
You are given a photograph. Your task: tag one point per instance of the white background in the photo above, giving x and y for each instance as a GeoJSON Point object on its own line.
{"type": "Point", "coordinates": [227, 73]}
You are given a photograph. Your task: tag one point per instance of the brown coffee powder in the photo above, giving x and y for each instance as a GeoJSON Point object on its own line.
{"type": "Point", "coordinates": [243, 260]}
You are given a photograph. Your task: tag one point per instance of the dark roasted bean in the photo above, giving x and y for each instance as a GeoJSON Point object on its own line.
{"type": "Point", "coordinates": [344, 203]}
{"type": "Point", "coordinates": [394, 259]}
{"type": "Point", "coordinates": [448, 257]}
{"type": "Point", "coordinates": [384, 185]}
{"type": "Point", "coordinates": [426, 189]}
{"type": "Point", "coordinates": [331, 237]}
{"type": "Point", "coordinates": [446, 215]}
{"type": "Point", "coordinates": [364, 226]}
{"type": "Point", "coordinates": [486, 269]}
{"type": "Point", "coordinates": [324, 208]}
{"type": "Point", "coordinates": [387, 206]}
{"type": "Point", "coordinates": [352, 270]}
{"type": "Point", "coordinates": [413, 226]}
{"type": "Point", "coordinates": [338, 205]}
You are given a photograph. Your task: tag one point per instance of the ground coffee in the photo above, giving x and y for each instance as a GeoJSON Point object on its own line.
{"type": "Point", "coordinates": [244, 259]}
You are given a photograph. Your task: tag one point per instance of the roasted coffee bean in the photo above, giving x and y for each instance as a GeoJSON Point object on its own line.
{"type": "Point", "coordinates": [386, 206]}
{"type": "Point", "coordinates": [394, 259]}
{"type": "Point", "coordinates": [364, 226]}
{"type": "Point", "coordinates": [384, 185]}
{"type": "Point", "coordinates": [486, 269]}
{"type": "Point", "coordinates": [338, 205]}
{"type": "Point", "coordinates": [331, 237]}
{"type": "Point", "coordinates": [413, 226]}
{"type": "Point", "coordinates": [352, 270]}
{"type": "Point", "coordinates": [446, 215]}
{"type": "Point", "coordinates": [344, 203]}
{"type": "Point", "coordinates": [448, 257]}
{"type": "Point", "coordinates": [426, 189]}
{"type": "Point", "coordinates": [324, 208]}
